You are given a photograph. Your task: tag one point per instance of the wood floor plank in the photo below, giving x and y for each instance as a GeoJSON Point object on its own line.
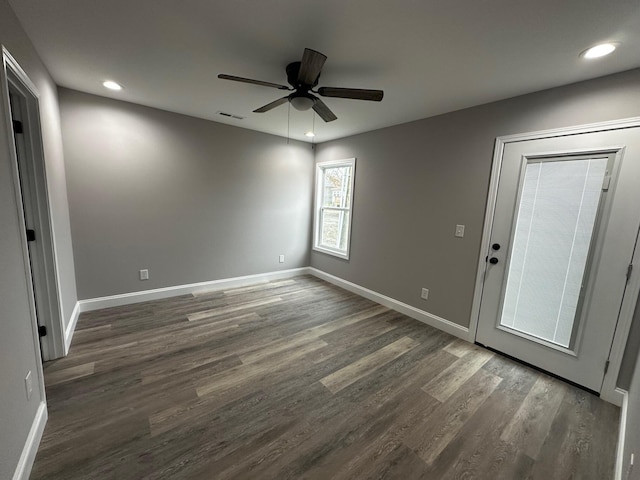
{"type": "Point", "coordinates": [106, 432]}
{"type": "Point", "coordinates": [260, 287]}
{"type": "Point", "coordinates": [429, 438]}
{"type": "Point", "coordinates": [91, 334]}
{"type": "Point", "coordinates": [352, 373]}
{"type": "Point", "coordinates": [70, 373]}
{"type": "Point", "coordinates": [362, 409]}
{"type": "Point", "coordinates": [229, 386]}
{"type": "Point", "coordinates": [184, 362]}
{"type": "Point", "coordinates": [214, 312]}
{"type": "Point", "coordinates": [477, 450]}
{"type": "Point", "coordinates": [307, 335]}
{"type": "Point", "coordinates": [249, 371]}
{"type": "Point", "coordinates": [571, 438]}
{"type": "Point", "coordinates": [451, 379]}
{"type": "Point", "coordinates": [349, 336]}
{"type": "Point", "coordinates": [239, 393]}
{"type": "Point", "coordinates": [460, 348]}
{"type": "Point", "coordinates": [531, 423]}
{"type": "Point", "coordinates": [371, 452]}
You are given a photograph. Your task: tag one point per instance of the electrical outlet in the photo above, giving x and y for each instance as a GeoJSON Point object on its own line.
{"type": "Point", "coordinates": [28, 385]}
{"type": "Point", "coordinates": [281, 258]}
{"type": "Point", "coordinates": [144, 274]}
{"type": "Point", "coordinates": [424, 294]}
{"type": "Point", "coordinates": [460, 231]}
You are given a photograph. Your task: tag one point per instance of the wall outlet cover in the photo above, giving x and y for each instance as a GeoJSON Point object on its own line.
{"type": "Point", "coordinates": [424, 294]}
{"type": "Point", "coordinates": [144, 274]}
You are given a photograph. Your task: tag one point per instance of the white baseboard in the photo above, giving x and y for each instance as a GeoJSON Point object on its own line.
{"type": "Point", "coordinates": [166, 292]}
{"type": "Point", "coordinates": [621, 433]}
{"type": "Point", "coordinates": [71, 327]}
{"type": "Point", "coordinates": [28, 456]}
{"type": "Point", "coordinates": [413, 312]}
{"type": "Point", "coordinates": [147, 295]}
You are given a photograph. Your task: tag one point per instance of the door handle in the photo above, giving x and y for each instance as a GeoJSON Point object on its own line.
{"type": "Point", "coordinates": [496, 246]}
{"type": "Point", "coordinates": [493, 260]}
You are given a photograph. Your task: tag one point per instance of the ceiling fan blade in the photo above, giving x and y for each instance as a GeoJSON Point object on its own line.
{"type": "Point", "coordinates": [254, 82]}
{"type": "Point", "coordinates": [323, 111]}
{"type": "Point", "coordinates": [354, 93]}
{"type": "Point", "coordinates": [272, 105]}
{"type": "Point", "coordinates": [310, 67]}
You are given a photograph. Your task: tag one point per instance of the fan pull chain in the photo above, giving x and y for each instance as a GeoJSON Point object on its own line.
{"type": "Point", "coordinates": [288, 120]}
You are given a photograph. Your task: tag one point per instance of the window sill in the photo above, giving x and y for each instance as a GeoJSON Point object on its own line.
{"type": "Point", "coordinates": [333, 253]}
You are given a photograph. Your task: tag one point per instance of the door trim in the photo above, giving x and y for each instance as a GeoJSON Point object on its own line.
{"type": "Point", "coordinates": [13, 77]}
{"type": "Point", "coordinates": [608, 391]}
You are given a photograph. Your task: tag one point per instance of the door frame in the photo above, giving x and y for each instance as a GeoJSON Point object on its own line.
{"type": "Point", "coordinates": [609, 391]}
{"type": "Point", "coordinates": [45, 288]}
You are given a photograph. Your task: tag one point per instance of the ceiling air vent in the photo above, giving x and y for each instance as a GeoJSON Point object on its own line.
{"type": "Point", "coordinates": [230, 115]}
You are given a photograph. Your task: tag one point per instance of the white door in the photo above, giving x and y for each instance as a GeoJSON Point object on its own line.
{"type": "Point", "coordinates": [565, 222]}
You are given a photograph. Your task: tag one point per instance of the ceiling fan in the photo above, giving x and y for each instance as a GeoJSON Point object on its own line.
{"type": "Point", "coordinates": [303, 77]}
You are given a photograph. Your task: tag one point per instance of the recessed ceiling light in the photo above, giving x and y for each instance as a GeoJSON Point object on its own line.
{"type": "Point", "coordinates": [599, 50]}
{"type": "Point", "coordinates": [111, 85]}
{"type": "Point", "coordinates": [310, 134]}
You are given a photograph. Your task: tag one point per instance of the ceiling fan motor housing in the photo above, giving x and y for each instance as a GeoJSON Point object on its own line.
{"type": "Point", "coordinates": [293, 70]}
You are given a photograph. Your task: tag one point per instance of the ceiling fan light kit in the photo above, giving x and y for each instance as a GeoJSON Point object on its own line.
{"type": "Point", "coordinates": [301, 102]}
{"type": "Point", "coordinates": [302, 77]}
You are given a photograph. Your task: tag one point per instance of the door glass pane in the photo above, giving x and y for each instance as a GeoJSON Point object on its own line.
{"type": "Point", "coordinates": [553, 232]}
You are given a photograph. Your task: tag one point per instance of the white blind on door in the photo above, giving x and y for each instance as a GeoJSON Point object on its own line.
{"type": "Point", "coordinates": [554, 227]}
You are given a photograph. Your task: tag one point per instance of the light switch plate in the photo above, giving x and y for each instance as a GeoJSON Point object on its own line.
{"type": "Point", "coordinates": [460, 231]}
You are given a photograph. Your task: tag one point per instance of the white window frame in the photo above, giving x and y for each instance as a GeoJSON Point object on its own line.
{"type": "Point", "coordinates": [318, 208]}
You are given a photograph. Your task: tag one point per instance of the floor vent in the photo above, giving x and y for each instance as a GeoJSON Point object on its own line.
{"type": "Point", "coordinates": [230, 115]}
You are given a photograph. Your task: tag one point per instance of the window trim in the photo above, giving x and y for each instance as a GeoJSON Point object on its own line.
{"type": "Point", "coordinates": [318, 208]}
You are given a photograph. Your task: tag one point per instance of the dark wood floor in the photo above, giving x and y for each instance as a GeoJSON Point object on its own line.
{"type": "Point", "coordinates": [299, 379]}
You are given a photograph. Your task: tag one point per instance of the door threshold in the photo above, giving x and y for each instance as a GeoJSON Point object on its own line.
{"type": "Point", "coordinates": [541, 370]}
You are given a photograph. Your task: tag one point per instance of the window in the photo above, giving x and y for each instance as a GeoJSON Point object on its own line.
{"type": "Point", "coordinates": [334, 199]}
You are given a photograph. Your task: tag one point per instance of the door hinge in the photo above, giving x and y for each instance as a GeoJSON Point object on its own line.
{"type": "Point", "coordinates": [629, 270]}
{"type": "Point", "coordinates": [42, 330]}
{"type": "Point", "coordinates": [606, 367]}
{"type": "Point", "coordinates": [31, 235]}
{"type": "Point", "coordinates": [17, 126]}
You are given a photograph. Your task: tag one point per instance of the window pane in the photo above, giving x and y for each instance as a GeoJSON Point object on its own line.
{"type": "Point", "coordinates": [332, 216]}
{"type": "Point", "coordinates": [337, 187]}
{"type": "Point", "coordinates": [335, 225]}
{"type": "Point", "coordinates": [554, 228]}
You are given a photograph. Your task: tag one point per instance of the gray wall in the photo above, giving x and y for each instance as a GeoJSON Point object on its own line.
{"type": "Point", "coordinates": [415, 182]}
{"type": "Point", "coordinates": [18, 353]}
{"type": "Point", "coordinates": [189, 199]}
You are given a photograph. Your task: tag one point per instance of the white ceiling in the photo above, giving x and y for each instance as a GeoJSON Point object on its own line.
{"type": "Point", "coordinates": [429, 56]}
